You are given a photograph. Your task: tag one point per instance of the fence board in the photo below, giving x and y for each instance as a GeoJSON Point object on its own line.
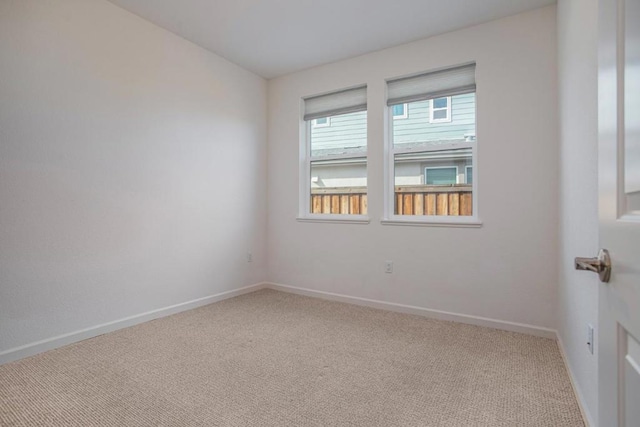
{"type": "Point", "coordinates": [363, 204]}
{"type": "Point", "coordinates": [407, 202]}
{"type": "Point", "coordinates": [442, 204]}
{"type": "Point", "coordinates": [354, 204]}
{"type": "Point", "coordinates": [466, 204]}
{"type": "Point", "coordinates": [335, 204]}
{"type": "Point", "coordinates": [344, 204]}
{"type": "Point", "coordinates": [418, 204]}
{"type": "Point", "coordinates": [326, 204]}
{"type": "Point", "coordinates": [431, 203]}
{"type": "Point", "coordinates": [454, 204]}
{"type": "Point", "coordinates": [316, 204]}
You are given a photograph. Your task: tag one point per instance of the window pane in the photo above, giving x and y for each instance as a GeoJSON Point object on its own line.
{"type": "Point", "coordinates": [339, 166]}
{"type": "Point", "coordinates": [426, 183]}
{"type": "Point", "coordinates": [339, 187]}
{"type": "Point", "coordinates": [321, 121]}
{"type": "Point", "coordinates": [347, 135]}
{"type": "Point", "coordinates": [439, 114]}
{"type": "Point", "coordinates": [469, 175]}
{"type": "Point", "coordinates": [417, 131]}
{"type": "Point", "coordinates": [431, 151]}
{"type": "Point", "coordinates": [440, 103]}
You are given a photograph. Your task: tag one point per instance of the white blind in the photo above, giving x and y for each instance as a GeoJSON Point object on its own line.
{"type": "Point", "coordinates": [332, 104]}
{"type": "Point", "coordinates": [436, 84]}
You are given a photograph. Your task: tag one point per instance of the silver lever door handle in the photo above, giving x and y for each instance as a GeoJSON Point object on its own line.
{"type": "Point", "coordinates": [600, 265]}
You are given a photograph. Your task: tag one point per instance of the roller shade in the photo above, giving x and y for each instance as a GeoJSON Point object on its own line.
{"type": "Point", "coordinates": [332, 104]}
{"type": "Point", "coordinates": [436, 84]}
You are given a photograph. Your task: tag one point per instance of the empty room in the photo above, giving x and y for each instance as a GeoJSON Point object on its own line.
{"type": "Point", "coordinates": [338, 213]}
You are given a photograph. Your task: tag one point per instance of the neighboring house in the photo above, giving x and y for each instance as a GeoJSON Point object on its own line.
{"type": "Point", "coordinates": [425, 123]}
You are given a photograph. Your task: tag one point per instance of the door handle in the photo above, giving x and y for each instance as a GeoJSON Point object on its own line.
{"type": "Point", "coordinates": [601, 265]}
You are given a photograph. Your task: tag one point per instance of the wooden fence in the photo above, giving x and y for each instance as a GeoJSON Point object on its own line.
{"type": "Point", "coordinates": [343, 200]}
{"type": "Point", "coordinates": [451, 200]}
{"type": "Point", "coordinates": [409, 200]}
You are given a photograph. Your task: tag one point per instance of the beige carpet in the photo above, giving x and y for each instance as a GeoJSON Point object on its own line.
{"type": "Point", "coordinates": [275, 359]}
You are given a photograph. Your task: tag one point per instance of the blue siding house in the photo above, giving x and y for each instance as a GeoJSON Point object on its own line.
{"type": "Point", "coordinates": [440, 121]}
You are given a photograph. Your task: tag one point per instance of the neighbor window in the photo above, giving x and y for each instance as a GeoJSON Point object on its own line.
{"type": "Point", "coordinates": [440, 175]}
{"type": "Point", "coordinates": [333, 175]}
{"type": "Point", "coordinates": [400, 111]}
{"type": "Point", "coordinates": [431, 154]}
{"type": "Point", "coordinates": [440, 110]}
{"type": "Point", "coordinates": [321, 122]}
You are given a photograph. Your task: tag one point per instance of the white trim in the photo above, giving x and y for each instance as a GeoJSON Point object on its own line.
{"type": "Point", "coordinates": [586, 416]}
{"type": "Point", "coordinates": [434, 221]}
{"type": "Point", "coordinates": [433, 110]}
{"type": "Point", "coordinates": [420, 311]}
{"type": "Point", "coordinates": [440, 167]}
{"type": "Point", "coordinates": [389, 166]}
{"type": "Point", "coordinates": [335, 218]}
{"type": "Point", "coordinates": [475, 159]}
{"type": "Point", "coordinates": [401, 116]}
{"type": "Point", "coordinates": [304, 165]}
{"type": "Point", "coordinates": [93, 331]}
{"type": "Point", "coordinates": [315, 124]}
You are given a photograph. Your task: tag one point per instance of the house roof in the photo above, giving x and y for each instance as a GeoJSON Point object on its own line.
{"type": "Point", "coordinates": [350, 155]}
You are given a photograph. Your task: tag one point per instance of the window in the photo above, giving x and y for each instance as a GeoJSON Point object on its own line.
{"type": "Point", "coordinates": [440, 175]}
{"type": "Point", "coordinates": [333, 175]}
{"type": "Point", "coordinates": [426, 152]}
{"type": "Point", "coordinates": [321, 122]}
{"type": "Point", "coordinates": [440, 110]}
{"type": "Point", "coordinates": [400, 111]}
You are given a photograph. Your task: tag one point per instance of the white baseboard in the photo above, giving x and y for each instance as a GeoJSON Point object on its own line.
{"type": "Point", "coordinates": [586, 416]}
{"type": "Point", "coordinates": [72, 337]}
{"type": "Point", "coordinates": [420, 311]}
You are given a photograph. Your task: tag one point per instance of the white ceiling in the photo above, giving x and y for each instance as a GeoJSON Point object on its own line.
{"type": "Point", "coordinates": [276, 37]}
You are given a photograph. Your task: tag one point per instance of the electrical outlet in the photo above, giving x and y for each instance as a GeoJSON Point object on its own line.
{"type": "Point", "coordinates": [249, 257]}
{"type": "Point", "coordinates": [590, 338]}
{"type": "Point", "coordinates": [388, 266]}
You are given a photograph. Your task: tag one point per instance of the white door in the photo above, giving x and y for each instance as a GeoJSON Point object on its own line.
{"type": "Point", "coordinates": [619, 200]}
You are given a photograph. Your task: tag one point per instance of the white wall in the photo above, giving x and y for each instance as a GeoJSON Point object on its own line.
{"type": "Point", "coordinates": [505, 270]}
{"type": "Point", "coordinates": [132, 169]}
{"type": "Point", "coordinates": [578, 291]}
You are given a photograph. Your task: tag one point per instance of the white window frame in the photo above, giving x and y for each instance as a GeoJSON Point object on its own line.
{"type": "Point", "coordinates": [401, 116]}
{"type": "Point", "coordinates": [315, 123]}
{"type": "Point", "coordinates": [432, 110]}
{"type": "Point", "coordinates": [390, 218]}
{"type": "Point", "coordinates": [466, 174]}
{"type": "Point", "coordinates": [440, 167]}
{"type": "Point", "coordinates": [304, 197]}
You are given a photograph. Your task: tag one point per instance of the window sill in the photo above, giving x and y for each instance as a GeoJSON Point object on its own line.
{"type": "Point", "coordinates": [455, 222]}
{"type": "Point", "coordinates": [336, 219]}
